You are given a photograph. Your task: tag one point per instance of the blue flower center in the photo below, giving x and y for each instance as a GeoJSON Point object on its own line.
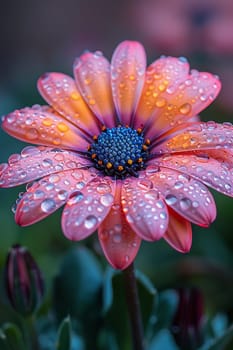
{"type": "Point", "coordinates": [120, 151]}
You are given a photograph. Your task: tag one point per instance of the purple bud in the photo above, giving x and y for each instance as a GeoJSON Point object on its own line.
{"type": "Point", "coordinates": [24, 283]}
{"type": "Point", "coordinates": [188, 320]}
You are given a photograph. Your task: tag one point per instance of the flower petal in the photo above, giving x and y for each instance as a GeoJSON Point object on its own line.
{"type": "Point", "coordinates": [145, 211]}
{"type": "Point", "coordinates": [127, 72]}
{"type": "Point", "coordinates": [119, 242]}
{"type": "Point", "coordinates": [36, 162]}
{"type": "Point", "coordinates": [197, 136]}
{"type": "Point", "coordinates": [49, 194]}
{"type": "Point", "coordinates": [85, 211]}
{"type": "Point", "coordinates": [60, 92]}
{"type": "Point", "coordinates": [170, 95]}
{"type": "Point", "coordinates": [179, 233]}
{"type": "Point", "coordinates": [208, 170]}
{"type": "Point", "coordinates": [39, 126]}
{"type": "Point", "coordinates": [188, 197]}
{"type": "Point", "coordinates": [92, 74]}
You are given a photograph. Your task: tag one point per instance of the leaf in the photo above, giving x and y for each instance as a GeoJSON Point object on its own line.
{"type": "Point", "coordinates": [11, 337]}
{"type": "Point", "coordinates": [166, 308]}
{"type": "Point", "coordinates": [162, 340]}
{"type": "Point", "coordinates": [77, 287]}
{"type": "Point", "coordinates": [108, 289]}
{"type": "Point", "coordinates": [64, 335]}
{"type": "Point", "coordinates": [220, 342]}
{"type": "Point", "coordinates": [146, 282]}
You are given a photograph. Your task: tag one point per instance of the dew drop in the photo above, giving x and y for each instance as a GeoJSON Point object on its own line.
{"type": "Point", "coordinates": [13, 158]}
{"type": "Point", "coordinates": [106, 199]}
{"type": "Point", "coordinates": [90, 221]}
{"type": "Point", "coordinates": [62, 195]}
{"type": "Point", "coordinates": [54, 178]}
{"type": "Point", "coordinates": [103, 188]}
{"type": "Point", "coordinates": [48, 205]}
{"type": "Point", "coordinates": [185, 203]}
{"type": "Point", "coordinates": [185, 108]}
{"type": "Point", "coordinates": [170, 199]}
{"type": "Point", "coordinates": [116, 238]}
{"type": "Point", "coordinates": [161, 102]}
{"type": "Point", "coordinates": [30, 150]}
{"type": "Point", "coordinates": [32, 134]}
{"type": "Point", "coordinates": [76, 197]}
{"type": "Point", "coordinates": [62, 127]}
{"type": "Point", "coordinates": [47, 162]}
{"type": "Point", "coordinates": [38, 194]}
{"type": "Point", "coordinates": [145, 184]}
{"type": "Point", "coordinates": [178, 185]}
{"type": "Point", "coordinates": [14, 208]}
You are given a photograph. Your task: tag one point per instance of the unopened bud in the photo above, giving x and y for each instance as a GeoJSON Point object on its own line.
{"type": "Point", "coordinates": [24, 283]}
{"type": "Point", "coordinates": [187, 324]}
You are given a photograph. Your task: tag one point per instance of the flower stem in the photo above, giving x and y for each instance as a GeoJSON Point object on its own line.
{"type": "Point", "coordinates": [30, 333]}
{"type": "Point", "coordinates": [134, 310]}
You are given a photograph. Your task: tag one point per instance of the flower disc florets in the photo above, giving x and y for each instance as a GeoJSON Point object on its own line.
{"type": "Point", "coordinates": [120, 151]}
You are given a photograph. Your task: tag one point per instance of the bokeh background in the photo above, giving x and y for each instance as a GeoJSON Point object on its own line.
{"type": "Point", "coordinates": [40, 36]}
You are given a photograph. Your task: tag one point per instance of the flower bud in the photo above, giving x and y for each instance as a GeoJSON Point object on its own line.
{"type": "Point", "coordinates": [188, 320]}
{"type": "Point", "coordinates": [24, 283]}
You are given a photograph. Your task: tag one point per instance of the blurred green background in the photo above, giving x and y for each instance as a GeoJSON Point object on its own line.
{"type": "Point", "coordinates": [39, 36]}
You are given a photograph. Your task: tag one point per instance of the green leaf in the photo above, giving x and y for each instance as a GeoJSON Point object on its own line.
{"type": "Point", "coordinates": [220, 342]}
{"type": "Point", "coordinates": [146, 282]}
{"type": "Point", "coordinates": [77, 287]}
{"type": "Point", "coordinates": [64, 335]}
{"type": "Point", "coordinates": [108, 289]}
{"type": "Point", "coordinates": [163, 340]}
{"type": "Point", "coordinates": [11, 337]}
{"type": "Point", "coordinates": [166, 308]}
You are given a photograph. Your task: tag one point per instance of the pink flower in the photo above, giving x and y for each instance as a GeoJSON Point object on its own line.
{"type": "Point", "coordinates": [120, 146]}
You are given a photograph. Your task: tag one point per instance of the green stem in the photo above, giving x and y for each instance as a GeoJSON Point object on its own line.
{"type": "Point", "coordinates": [134, 310]}
{"type": "Point", "coordinates": [30, 333]}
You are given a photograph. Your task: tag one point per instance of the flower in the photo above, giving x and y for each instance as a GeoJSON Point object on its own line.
{"type": "Point", "coordinates": [121, 147]}
{"type": "Point", "coordinates": [24, 282]}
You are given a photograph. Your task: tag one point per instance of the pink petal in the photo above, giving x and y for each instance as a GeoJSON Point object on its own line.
{"type": "Point", "coordinates": [85, 211]}
{"type": "Point", "coordinates": [188, 197]}
{"type": "Point", "coordinates": [162, 76]}
{"type": "Point", "coordinates": [39, 126]}
{"type": "Point", "coordinates": [179, 233]}
{"type": "Point", "coordinates": [207, 170]}
{"type": "Point", "coordinates": [145, 211]}
{"type": "Point", "coordinates": [92, 74]}
{"type": "Point", "coordinates": [60, 91]}
{"type": "Point", "coordinates": [196, 137]}
{"type": "Point", "coordinates": [119, 242]}
{"type": "Point", "coordinates": [127, 72]}
{"type": "Point", "coordinates": [171, 95]}
{"type": "Point", "coordinates": [36, 162]}
{"type": "Point", "coordinates": [49, 194]}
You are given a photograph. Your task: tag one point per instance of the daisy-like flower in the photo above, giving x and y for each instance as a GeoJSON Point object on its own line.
{"type": "Point", "coordinates": [121, 147]}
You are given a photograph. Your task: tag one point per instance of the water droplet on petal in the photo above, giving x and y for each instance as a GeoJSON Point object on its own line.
{"type": "Point", "coordinates": [90, 221]}
{"type": "Point", "coordinates": [103, 188]}
{"type": "Point", "coordinates": [75, 198]}
{"type": "Point", "coordinates": [185, 203]}
{"type": "Point", "coordinates": [38, 194]}
{"type": "Point", "coordinates": [32, 134]}
{"type": "Point", "coordinates": [106, 199]}
{"type": "Point", "coordinates": [145, 184]}
{"type": "Point", "coordinates": [185, 108]}
{"type": "Point", "coordinates": [116, 238]}
{"type": "Point", "coordinates": [170, 199]}
{"type": "Point", "coordinates": [48, 205]}
{"type": "Point", "coordinates": [62, 195]}
{"type": "Point", "coordinates": [47, 162]}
